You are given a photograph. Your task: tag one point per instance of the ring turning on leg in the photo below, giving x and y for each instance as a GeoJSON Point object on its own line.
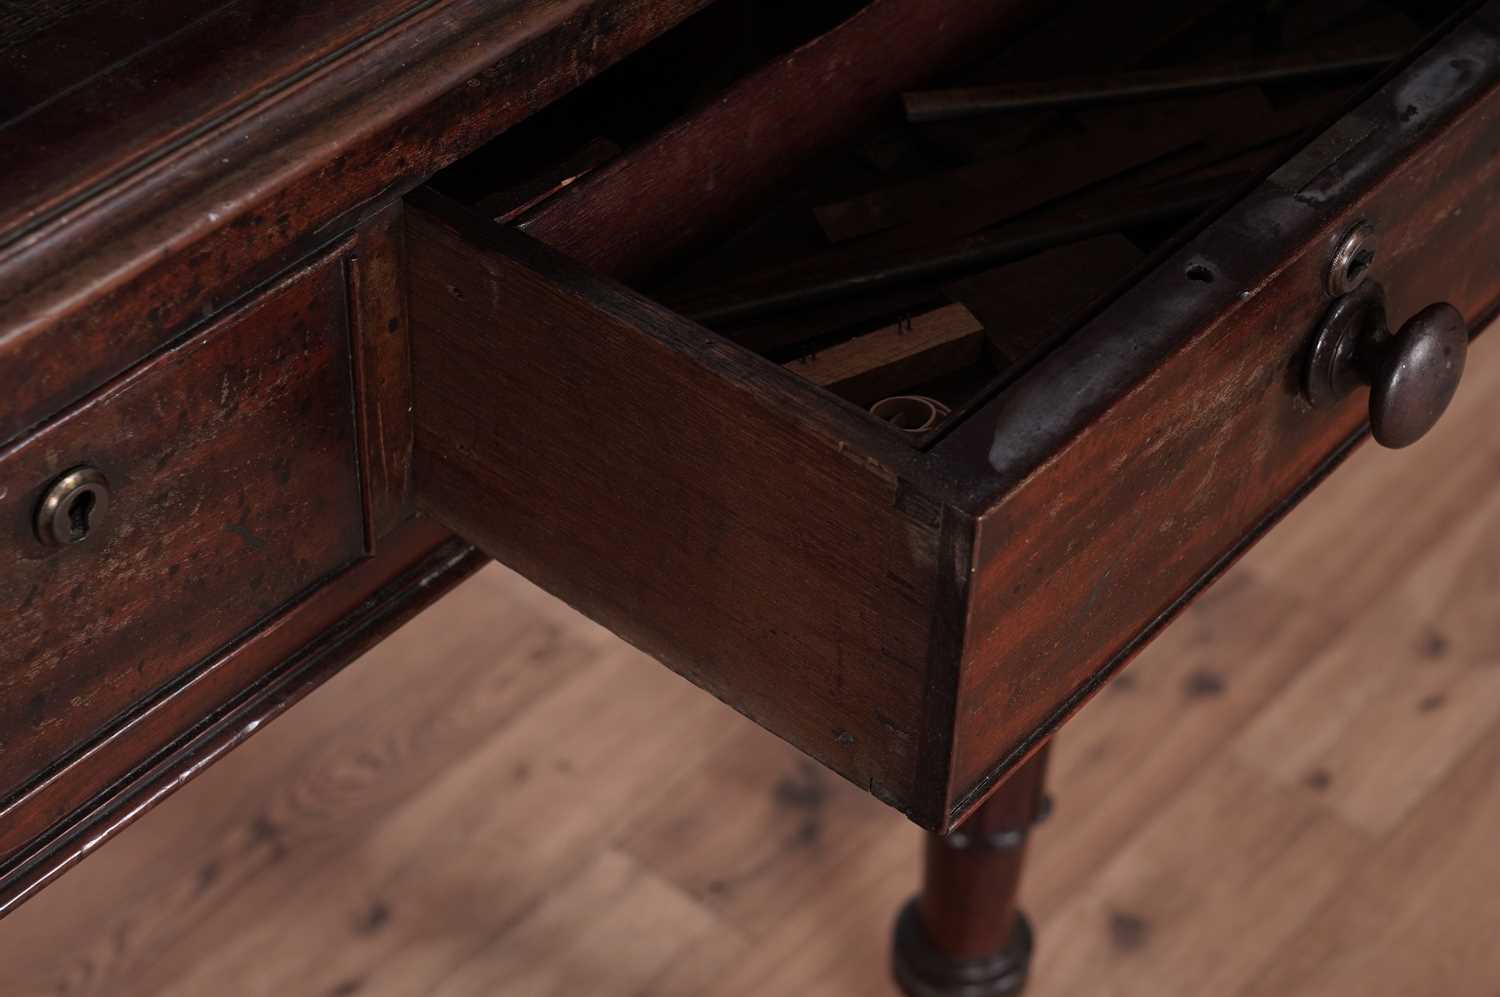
{"type": "Point", "coordinates": [963, 936]}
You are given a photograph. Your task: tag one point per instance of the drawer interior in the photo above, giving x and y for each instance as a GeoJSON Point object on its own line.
{"type": "Point", "coordinates": [598, 404]}
{"type": "Point", "coordinates": [976, 218]}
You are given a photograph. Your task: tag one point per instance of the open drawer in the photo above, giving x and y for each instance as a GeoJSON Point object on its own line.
{"type": "Point", "coordinates": [919, 611]}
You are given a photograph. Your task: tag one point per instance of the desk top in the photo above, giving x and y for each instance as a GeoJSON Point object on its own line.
{"type": "Point", "coordinates": [156, 155]}
{"type": "Point", "coordinates": [94, 90]}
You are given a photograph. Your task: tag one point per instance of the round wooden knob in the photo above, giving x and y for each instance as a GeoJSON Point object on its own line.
{"type": "Point", "coordinates": [1412, 374]}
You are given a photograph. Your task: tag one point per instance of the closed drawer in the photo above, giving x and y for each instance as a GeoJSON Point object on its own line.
{"type": "Point", "coordinates": [920, 611]}
{"type": "Point", "coordinates": [231, 487]}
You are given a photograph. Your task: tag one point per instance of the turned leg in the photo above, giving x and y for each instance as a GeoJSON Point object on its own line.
{"type": "Point", "coordinates": [963, 935]}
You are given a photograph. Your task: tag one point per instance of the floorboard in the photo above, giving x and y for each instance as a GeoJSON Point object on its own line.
{"type": "Point", "coordinates": [1292, 792]}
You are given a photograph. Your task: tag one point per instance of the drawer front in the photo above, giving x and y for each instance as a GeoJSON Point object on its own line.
{"type": "Point", "coordinates": [231, 487]}
{"type": "Point", "coordinates": [1135, 463]}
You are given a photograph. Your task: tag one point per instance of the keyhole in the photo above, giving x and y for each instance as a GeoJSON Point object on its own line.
{"type": "Point", "coordinates": [79, 511]}
{"type": "Point", "coordinates": [1355, 271]}
{"type": "Point", "coordinates": [74, 508]}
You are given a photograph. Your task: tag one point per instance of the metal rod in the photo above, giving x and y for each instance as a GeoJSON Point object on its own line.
{"type": "Point", "coordinates": [822, 280]}
{"type": "Point", "coordinates": [1179, 81]}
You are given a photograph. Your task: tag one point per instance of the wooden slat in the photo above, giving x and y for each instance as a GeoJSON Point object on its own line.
{"type": "Point", "coordinates": [511, 203]}
{"type": "Point", "coordinates": [1417, 915]}
{"type": "Point", "coordinates": [875, 266]}
{"type": "Point", "coordinates": [1356, 730]}
{"type": "Point", "coordinates": [1191, 888]}
{"type": "Point", "coordinates": [896, 357]}
{"type": "Point", "coordinates": [710, 166]}
{"type": "Point", "coordinates": [381, 351]}
{"type": "Point", "coordinates": [1143, 84]}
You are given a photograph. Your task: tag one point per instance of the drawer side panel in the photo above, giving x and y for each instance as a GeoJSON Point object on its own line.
{"type": "Point", "coordinates": [676, 489]}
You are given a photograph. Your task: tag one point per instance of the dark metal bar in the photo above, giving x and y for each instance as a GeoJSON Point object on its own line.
{"type": "Point", "coordinates": [825, 279]}
{"type": "Point", "coordinates": [505, 206]}
{"type": "Point", "coordinates": [963, 102]}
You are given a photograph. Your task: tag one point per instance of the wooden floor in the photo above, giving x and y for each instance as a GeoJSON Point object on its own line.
{"type": "Point", "coordinates": [1296, 790]}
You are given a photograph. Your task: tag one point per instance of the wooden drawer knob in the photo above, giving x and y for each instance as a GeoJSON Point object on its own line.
{"type": "Point", "coordinates": [1412, 373]}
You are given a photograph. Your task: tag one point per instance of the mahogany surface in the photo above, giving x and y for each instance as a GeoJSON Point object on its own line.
{"type": "Point", "coordinates": [163, 163]}
{"type": "Point", "coordinates": [380, 350]}
{"type": "Point", "coordinates": [212, 523]}
{"type": "Point", "coordinates": [276, 124]}
{"type": "Point", "coordinates": [711, 166]}
{"type": "Point", "coordinates": [219, 284]}
{"type": "Point", "coordinates": [1127, 393]}
{"type": "Point", "coordinates": [1065, 520]}
{"type": "Point", "coordinates": [964, 933]}
{"type": "Point", "coordinates": [749, 538]}
{"type": "Point", "coordinates": [73, 810]}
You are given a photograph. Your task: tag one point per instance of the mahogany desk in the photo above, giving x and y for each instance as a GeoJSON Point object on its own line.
{"type": "Point", "coordinates": [265, 394]}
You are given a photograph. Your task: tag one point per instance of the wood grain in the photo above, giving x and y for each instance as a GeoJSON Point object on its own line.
{"type": "Point", "coordinates": [1191, 887]}
{"type": "Point", "coordinates": [620, 729]}
{"type": "Point", "coordinates": [381, 348]}
{"type": "Point", "coordinates": [1213, 671]}
{"type": "Point", "coordinates": [792, 820]}
{"type": "Point", "coordinates": [167, 740]}
{"type": "Point", "coordinates": [213, 523]}
{"type": "Point", "coordinates": [896, 357]}
{"type": "Point", "coordinates": [713, 509]}
{"type": "Point", "coordinates": [297, 121]}
{"type": "Point", "coordinates": [712, 165]}
{"type": "Point", "coordinates": [1410, 920]}
{"type": "Point", "coordinates": [1193, 475]}
{"type": "Point", "coordinates": [1141, 872]}
{"type": "Point", "coordinates": [1361, 728]}
{"type": "Point", "coordinates": [1360, 555]}
{"type": "Point", "coordinates": [275, 133]}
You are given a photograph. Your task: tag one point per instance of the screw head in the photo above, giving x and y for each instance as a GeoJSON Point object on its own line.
{"type": "Point", "coordinates": [1352, 259]}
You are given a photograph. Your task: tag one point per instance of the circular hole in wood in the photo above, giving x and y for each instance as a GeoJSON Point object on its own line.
{"type": "Point", "coordinates": [79, 511]}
